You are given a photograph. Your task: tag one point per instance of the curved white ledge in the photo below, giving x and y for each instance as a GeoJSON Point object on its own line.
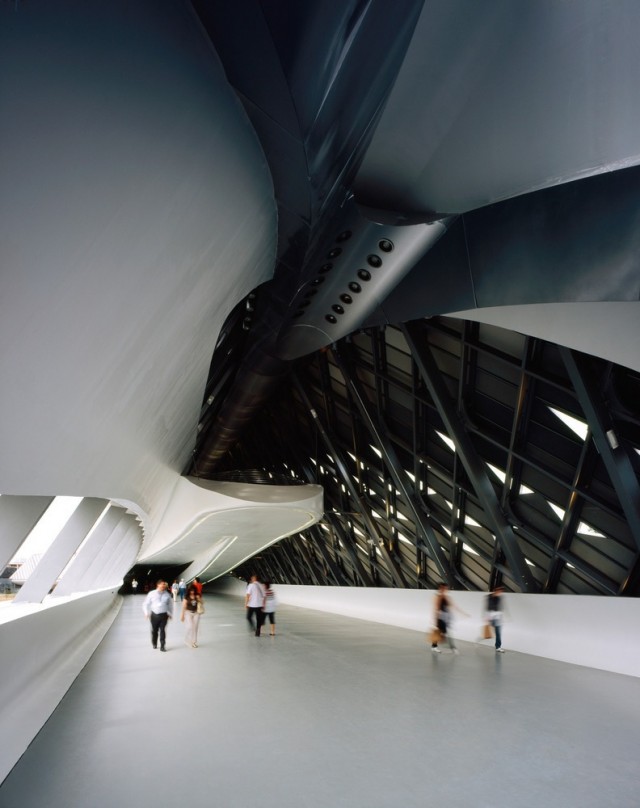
{"type": "Point", "coordinates": [217, 525]}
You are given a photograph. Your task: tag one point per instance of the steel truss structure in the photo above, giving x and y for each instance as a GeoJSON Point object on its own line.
{"type": "Point", "coordinates": [461, 452]}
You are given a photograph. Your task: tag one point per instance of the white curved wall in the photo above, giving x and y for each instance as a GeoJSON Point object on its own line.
{"type": "Point", "coordinates": [136, 209]}
{"type": "Point", "coordinates": [218, 525]}
{"type": "Point", "coordinates": [610, 330]}
{"type": "Point", "coordinates": [597, 632]}
{"type": "Point", "coordinates": [44, 647]}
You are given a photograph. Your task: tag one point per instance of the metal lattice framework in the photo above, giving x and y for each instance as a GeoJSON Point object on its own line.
{"type": "Point", "coordinates": [457, 451]}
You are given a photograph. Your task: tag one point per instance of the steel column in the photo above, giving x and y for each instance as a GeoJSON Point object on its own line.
{"type": "Point", "coordinates": [469, 457]}
{"type": "Point", "coordinates": [616, 460]}
{"type": "Point", "coordinates": [393, 466]}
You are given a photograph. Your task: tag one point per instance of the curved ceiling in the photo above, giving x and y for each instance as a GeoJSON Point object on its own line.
{"type": "Point", "coordinates": [217, 525]}
{"type": "Point", "coordinates": [499, 99]}
{"type": "Point", "coordinates": [148, 187]}
{"type": "Point", "coordinates": [136, 210]}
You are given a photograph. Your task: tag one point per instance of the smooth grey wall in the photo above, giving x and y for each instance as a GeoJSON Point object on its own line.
{"type": "Point", "coordinates": [136, 208]}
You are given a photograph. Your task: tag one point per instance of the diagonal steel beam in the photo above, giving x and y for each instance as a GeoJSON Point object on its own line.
{"type": "Point", "coordinates": [275, 558]}
{"type": "Point", "coordinates": [349, 550]}
{"type": "Point", "coordinates": [396, 471]}
{"type": "Point", "coordinates": [572, 515]}
{"type": "Point", "coordinates": [472, 462]}
{"type": "Point", "coordinates": [395, 571]}
{"type": "Point", "coordinates": [313, 565]}
{"type": "Point", "coordinates": [275, 563]}
{"type": "Point", "coordinates": [631, 584]}
{"type": "Point", "coordinates": [314, 531]}
{"type": "Point", "coordinates": [292, 552]}
{"type": "Point", "coordinates": [321, 543]}
{"type": "Point", "coordinates": [616, 460]}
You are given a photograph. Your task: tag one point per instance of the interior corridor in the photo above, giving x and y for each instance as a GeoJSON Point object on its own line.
{"type": "Point", "coordinates": [331, 712]}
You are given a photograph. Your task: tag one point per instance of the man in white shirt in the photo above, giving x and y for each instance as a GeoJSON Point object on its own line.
{"type": "Point", "coordinates": [253, 601]}
{"type": "Point", "coordinates": [158, 608]}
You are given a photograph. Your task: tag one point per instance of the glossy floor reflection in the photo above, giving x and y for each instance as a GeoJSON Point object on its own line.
{"type": "Point", "coordinates": [331, 712]}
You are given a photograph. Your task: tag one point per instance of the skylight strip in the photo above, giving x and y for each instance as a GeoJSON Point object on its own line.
{"type": "Point", "coordinates": [500, 474]}
{"type": "Point", "coordinates": [557, 510]}
{"type": "Point", "coordinates": [580, 428]}
{"type": "Point", "coordinates": [587, 530]}
{"type": "Point", "coordinates": [446, 440]}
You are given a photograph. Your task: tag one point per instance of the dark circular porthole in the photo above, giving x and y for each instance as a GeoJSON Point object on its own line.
{"type": "Point", "coordinates": [317, 281]}
{"type": "Point", "coordinates": [334, 253]}
{"type": "Point", "coordinates": [330, 318]}
{"type": "Point", "coordinates": [364, 274]}
{"type": "Point", "coordinates": [337, 308]}
{"type": "Point", "coordinates": [346, 299]}
{"type": "Point", "coordinates": [374, 261]}
{"type": "Point", "coordinates": [325, 268]}
{"type": "Point", "coordinates": [344, 236]}
{"type": "Point", "coordinates": [355, 287]}
{"type": "Point", "coordinates": [385, 245]}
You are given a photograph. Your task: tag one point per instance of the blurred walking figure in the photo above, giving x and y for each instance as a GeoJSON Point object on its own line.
{"type": "Point", "coordinates": [192, 608]}
{"type": "Point", "coordinates": [174, 591]}
{"type": "Point", "coordinates": [494, 615]}
{"type": "Point", "coordinates": [182, 589]}
{"type": "Point", "coordinates": [269, 608]}
{"type": "Point", "coordinates": [253, 601]}
{"type": "Point", "coordinates": [443, 618]}
{"type": "Point", "coordinates": [197, 585]}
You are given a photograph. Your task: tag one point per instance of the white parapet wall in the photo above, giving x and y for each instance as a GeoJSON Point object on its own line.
{"type": "Point", "coordinates": [598, 632]}
{"type": "Point", "coordinates": [44, 647]}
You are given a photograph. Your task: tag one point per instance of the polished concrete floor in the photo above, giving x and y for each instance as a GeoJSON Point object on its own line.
{"type": "Point", "coordinates": [331, 712]}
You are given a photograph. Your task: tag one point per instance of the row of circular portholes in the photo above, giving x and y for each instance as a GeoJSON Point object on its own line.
{"type": "Point", "coordinates": [364, 275]}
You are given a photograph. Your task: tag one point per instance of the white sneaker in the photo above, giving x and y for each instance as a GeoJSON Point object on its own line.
{"type": "Point", "coordinates": [436, 650]}
{"type": "Point", "coordinates": [499, 650]}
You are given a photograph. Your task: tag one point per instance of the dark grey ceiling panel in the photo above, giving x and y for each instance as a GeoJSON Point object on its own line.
{"type": "Point", "coordinates": [576, 242]}
{"type": "Point", "coordinates": [439, 282]}
{"type": "Point", "coordinates": [500, 98]}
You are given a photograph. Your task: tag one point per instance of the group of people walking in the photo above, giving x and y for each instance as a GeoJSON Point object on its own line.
{"type": "Point", "coordinates": [443, 618]}
{"type": "Point", "coordinates": [260, 605]}
{"type": "Point", "coordinates": [158, 609]}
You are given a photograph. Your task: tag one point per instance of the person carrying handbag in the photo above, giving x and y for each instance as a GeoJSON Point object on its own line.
{"type": "Point", "coordinates": [494, 615]}
{"type": "Point", "coordinates": [443, 607]}
{"type": "Point", "coordinates": [192, 608]}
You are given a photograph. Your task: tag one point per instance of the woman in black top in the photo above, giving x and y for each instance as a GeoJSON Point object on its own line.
{"type": "Point", "coordinates": [442, 617]}
{"type": "Point", "coordinates": [191, 612]}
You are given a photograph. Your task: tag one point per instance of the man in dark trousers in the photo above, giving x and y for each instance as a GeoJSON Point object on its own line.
{"type": "Point", "coordinates": [494, 615]}
{"type": "Point", "coordinates": [253, 601]}
{"type": "Point", "coordinates": [158, 609]}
